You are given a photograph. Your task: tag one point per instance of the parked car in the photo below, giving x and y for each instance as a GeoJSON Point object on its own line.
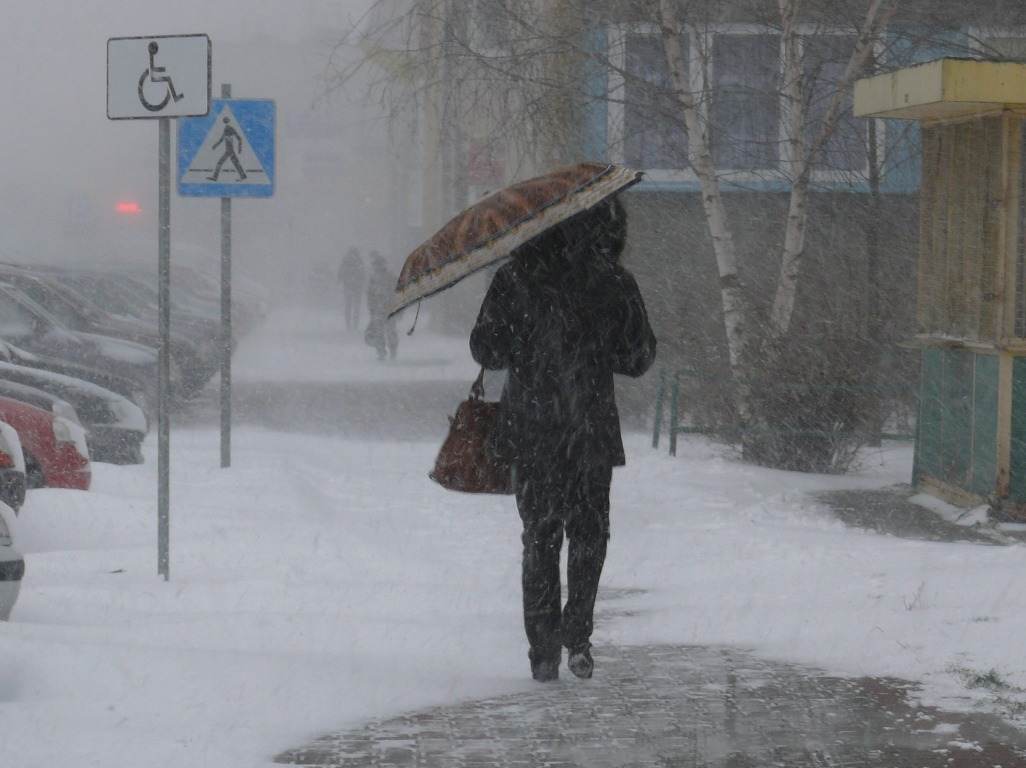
{"type": "Point", "coordinates": [39, 398]}
{"type": "Point", "coordinates": [12, 468]}
{"type": "Point", "coordinates": [55, 449]}
{"type": "Point", "coordinates": [12, 564]}
{"type": "Point", "coordinates": [129, 297]}
{"type": "Point", "coordinates": [194, 360]}
{"type": "Point", "coordinates": [197, 295]}
{"type": "Point", "coordinates": [127, 388]}
{"type": "Point", "coordinates": [115, 426]}
{"type": "Point", "coordinates": [26, 324]}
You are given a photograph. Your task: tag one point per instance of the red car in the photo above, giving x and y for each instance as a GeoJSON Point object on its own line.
{"type": "Point", "coordinates": [55, 449]}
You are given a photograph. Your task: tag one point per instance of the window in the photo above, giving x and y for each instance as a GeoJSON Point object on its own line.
{"type": "Point", "coordinates": [745, 104]}
{"type": "Point", "coordinates": [491, 24]}
{"type": "Point", "coordinates": [15, 321]}
{"type": "Point", "coordinates": [824, 60]}
{"type": "Point", "coordinates": [997, 43]}
{"type": "Point", "coordinates": [1006, 47]}
{"type": "Point", "coordinates": [654, 135]}
{"type": "Point", "coordinates": [745, 119]}
{"type": "Point", "coordinates": [56, 305]}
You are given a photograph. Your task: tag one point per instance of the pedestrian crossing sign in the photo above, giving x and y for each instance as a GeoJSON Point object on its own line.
{"type": "Point", "coordinates": [229, 152]}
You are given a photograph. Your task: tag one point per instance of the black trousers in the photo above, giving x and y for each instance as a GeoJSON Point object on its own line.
{"type": "Point", "coordinates": [381, 334]}
{"type": "Point", "coordinates": [553, 497]}
{"type": "Point", "coordinates": [353, 300]}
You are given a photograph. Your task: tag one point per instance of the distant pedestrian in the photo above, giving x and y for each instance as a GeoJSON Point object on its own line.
{"type": "Point", "coordinates": [562, 317]}
{"type": "Point", "coordinates": [353, 276]}
{"type": "Point", "coordinates": [381, 331]}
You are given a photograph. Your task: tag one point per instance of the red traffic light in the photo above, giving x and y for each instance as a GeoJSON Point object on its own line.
{"type": "Point", "coordinates": [128, 206]}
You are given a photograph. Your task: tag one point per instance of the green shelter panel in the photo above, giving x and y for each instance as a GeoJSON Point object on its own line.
{"type": "Point", "coordinates": [947, 429]}
{"type": "Point", "coordinates": [985, 425]}
{"type": "Point", "coordinates": [928, 448]}
{"type": "Point", "coordinates": [1017, 470]}
{"type": "Point", "coordinates": [957, 417]}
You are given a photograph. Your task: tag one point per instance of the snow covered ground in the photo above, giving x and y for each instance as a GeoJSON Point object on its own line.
{"type": "Point", "coordinates": [300, 344]}
{"type": "Point", "coordinates": [324, 580]}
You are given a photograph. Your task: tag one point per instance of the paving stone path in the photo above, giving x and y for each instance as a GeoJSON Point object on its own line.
{"type": "Point", "coordinates": [671, 707]}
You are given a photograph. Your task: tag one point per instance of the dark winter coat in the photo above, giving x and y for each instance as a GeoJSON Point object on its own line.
{"type": "Point", "coordinates": [380, 292]}
{"type": "Point", "coordinates": [562, 327]}
{"type": "Point", "coordinates": [352, 273]}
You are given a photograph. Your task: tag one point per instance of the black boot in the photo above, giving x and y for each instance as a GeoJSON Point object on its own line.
{"type": "Point", "coordinates": [545, 666]}
{"type": "Point", "coordinates": [580, 662]}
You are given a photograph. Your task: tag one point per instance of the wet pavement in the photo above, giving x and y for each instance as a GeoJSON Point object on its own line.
{"type": "Point", "coordinates": [889, 511]}
{"type": "Point", "coordinates": [680, 707]}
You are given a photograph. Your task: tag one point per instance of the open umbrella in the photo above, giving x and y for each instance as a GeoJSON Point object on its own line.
{"type": "Point", "coordinates": [490, 230]}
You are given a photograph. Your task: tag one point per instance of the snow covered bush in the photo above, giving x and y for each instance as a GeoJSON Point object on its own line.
{"type": "Point", "coordinates": [809, 401]}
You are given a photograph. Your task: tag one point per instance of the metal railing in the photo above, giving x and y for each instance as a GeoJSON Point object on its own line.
{"type": "Point", "coordinates": [670, 385]}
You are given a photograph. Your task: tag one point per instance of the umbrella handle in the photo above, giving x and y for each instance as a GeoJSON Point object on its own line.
{"type": "Point", "coordinates": [416, 317]}
{"type": "Point", "coordinates": [477, 388]}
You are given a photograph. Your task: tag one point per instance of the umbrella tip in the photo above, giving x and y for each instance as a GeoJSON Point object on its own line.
{"type": "Point", "coordinates": [416, 317]}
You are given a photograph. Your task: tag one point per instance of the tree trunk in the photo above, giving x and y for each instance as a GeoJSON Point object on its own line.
{"type": "Point", "coordinates": [700, 156]}
{"type": "Point", "coordinates": [796, 162]}
{"type": "Point", "coordinates": [877, 16]}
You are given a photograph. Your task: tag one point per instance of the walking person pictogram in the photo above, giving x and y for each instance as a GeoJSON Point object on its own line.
{"type": "Point", "coordinates": [157, 74]}
{"type": "Point", "coordinates": [232, 141]}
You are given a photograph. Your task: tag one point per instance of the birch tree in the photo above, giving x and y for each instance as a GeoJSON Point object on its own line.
{"type": "Point", "coordinates": [802, 157]}
{"type": "Point", "coordinates": [700, 155]}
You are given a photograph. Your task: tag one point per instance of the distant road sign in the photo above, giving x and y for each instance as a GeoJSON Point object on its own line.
{"type": "Point", "coordinates": [229, 152]}
{"type": "Point", "coordinates": [158, 76]}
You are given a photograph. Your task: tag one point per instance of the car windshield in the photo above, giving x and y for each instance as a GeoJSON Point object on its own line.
{"type": "Point", "coordinates": [42, 315]}
{"type": "Point", "coordinates": [66, 312]}
{"type": "Point", "coordinates": [107, 295]}
{"type": "Point", "coordinates": [16, 320]}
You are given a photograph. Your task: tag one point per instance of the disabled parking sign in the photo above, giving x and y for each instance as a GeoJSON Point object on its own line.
{"type": "Point", "coordinates": [158, 76]}
{"type": "Point", "coordinates": [230, 152]}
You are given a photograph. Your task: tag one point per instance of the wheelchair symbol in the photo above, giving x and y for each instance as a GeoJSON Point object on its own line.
{"type": "Point", "coordinates": [157, 74]}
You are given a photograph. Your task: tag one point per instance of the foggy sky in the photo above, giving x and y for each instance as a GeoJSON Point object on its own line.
{"type": "Point", "coordinates": [65, 165]}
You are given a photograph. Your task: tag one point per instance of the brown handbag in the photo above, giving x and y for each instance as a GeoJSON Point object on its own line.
{"type": "Point", "coordinates": [465, 462]}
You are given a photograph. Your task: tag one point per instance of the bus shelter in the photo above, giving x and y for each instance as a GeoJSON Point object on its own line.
{"type": "Point", "coordinates": [971, 272]}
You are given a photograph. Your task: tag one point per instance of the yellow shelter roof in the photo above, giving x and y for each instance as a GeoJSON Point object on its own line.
{"type": "Point", "coordinates": [942, 89]}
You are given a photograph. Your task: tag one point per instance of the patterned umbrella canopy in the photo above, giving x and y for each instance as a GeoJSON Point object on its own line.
{"type": "Point", "coordinates": [493, 228]}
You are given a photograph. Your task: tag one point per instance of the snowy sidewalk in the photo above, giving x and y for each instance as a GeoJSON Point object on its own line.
{"type": "Point", "coordinates": [311, 345]}
{"type": "Point", "coordinates": [680, 706]}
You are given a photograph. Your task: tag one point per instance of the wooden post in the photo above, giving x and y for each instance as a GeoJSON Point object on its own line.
{"type": "Point", "coordinates": [1007, 290]}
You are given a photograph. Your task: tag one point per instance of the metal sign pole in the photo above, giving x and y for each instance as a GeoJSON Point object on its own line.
{"type": "Point", "coordinates": [164, 376]}
{"type": "Point", "coordinates": [226, 319]}
{"type": "Point", "coordinates": [160, 77]}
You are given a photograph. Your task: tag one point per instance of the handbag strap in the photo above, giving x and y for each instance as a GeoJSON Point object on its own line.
{"type": "Point", "coordinates": [477, 388]}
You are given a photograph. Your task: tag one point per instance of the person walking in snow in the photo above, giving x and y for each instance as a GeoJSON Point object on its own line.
{"type": "Point", "coordinates": [381, 331]}
{"type": "Point", "coordinates": [562, 317]}
{"type": "Point", "coordinates": [353, 276]}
